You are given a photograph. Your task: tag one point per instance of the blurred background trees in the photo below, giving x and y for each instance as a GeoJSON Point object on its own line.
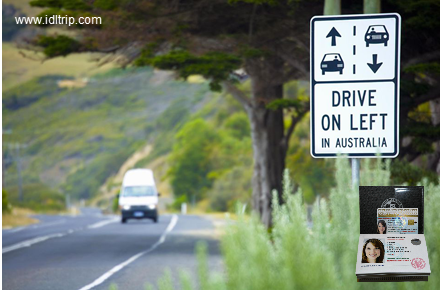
{"type": "Point", "coordinates": [81, 124]}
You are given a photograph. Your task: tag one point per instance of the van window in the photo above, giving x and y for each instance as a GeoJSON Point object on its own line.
{"type": "Point", "coordinates": [139, 191]}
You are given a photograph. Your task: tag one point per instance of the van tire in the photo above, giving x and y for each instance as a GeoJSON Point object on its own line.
{"type": "Point", "coordinates": [155, 219]}
{"type": "Point", "coordinates": [123, 220]}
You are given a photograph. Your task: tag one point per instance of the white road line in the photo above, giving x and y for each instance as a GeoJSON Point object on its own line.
{"type": "Point", "coordinates": [10, 231]}
{"type": "Point", "coordinates": [38, 226]}
{"type": "Point", "coordinates": [29, 243]}
{"type": "Point", "coordinates": [119, 267]}
{"type": "Point", "coordinates": [103, 223]}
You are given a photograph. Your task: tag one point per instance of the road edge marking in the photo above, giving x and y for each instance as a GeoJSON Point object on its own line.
{"type": "Point", "coordinates": [119, 267]}
{"type": "Point", "coordinates": [29, 243]}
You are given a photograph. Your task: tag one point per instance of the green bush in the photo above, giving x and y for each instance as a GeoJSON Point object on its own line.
{"type": "Point", "coordinates": [177, 203]}
{"type": "Point", "coordinates": [404, 172]}
{"type": "Point", "coordinates": [5, 203]}
{"type": "Point", "coordinates": [115, 205]}
{"type": "Point", "coordinates": [295, 256]}
{"type": "Point", "coordinates": [234, 186]}
{"type": "Point", "coordinates": [38, 197]}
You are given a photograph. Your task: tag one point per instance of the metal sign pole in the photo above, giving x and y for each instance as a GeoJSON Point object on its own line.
{"type": "Point", "coordinates": [355, 172]}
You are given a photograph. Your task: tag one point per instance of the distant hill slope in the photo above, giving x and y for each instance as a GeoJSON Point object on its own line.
{"type": "Point", "coordinates": [18, 69]}
{"type": "Point", "coordinates": [74, 139]}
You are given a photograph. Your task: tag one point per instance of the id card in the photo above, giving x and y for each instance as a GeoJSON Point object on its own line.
{"type": "Point", "coordinates": [398, 220]}
{"type": "Point", "coordinates": [398, 254]}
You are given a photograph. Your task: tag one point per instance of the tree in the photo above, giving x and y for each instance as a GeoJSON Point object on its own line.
{"type": "Point", "coordinates": [420, 80]}
{"type": "Point", "coordinates": [190, 161]}
{"type": "Point", "coordinates": [266, 38]}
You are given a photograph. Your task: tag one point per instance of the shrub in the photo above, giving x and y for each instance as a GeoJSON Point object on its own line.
{"type": "Point", "coordinates": [5, 202]}
{"type": "Point", "coordinates": [295, 256]}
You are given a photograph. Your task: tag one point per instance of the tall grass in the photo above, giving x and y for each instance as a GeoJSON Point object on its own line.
{"type": "Point", "coordinates": [296, 255]}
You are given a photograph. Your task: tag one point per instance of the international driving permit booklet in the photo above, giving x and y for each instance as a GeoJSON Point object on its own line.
{"type": "Point", "coordinates": [392, 246]}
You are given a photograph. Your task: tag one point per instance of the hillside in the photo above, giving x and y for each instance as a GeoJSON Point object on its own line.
{"type": "Point", "coordinates": [73, 139]}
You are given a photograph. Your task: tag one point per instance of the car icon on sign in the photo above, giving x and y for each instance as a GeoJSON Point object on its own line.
{"type": "Point", "coordinates": [332, 62]}
{"type": "Point", "coordinates": [377, 34]}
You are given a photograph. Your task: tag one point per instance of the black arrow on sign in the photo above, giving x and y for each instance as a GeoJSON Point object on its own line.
{"type": "Point", "coordinates": [374, 66]}
{"type": "Point", "coordinates": [333, 34]}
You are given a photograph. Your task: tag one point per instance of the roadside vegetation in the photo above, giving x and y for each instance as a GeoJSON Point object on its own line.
{"type": "Point", "coordinates": [70, 141]}
{"type": "Point", "coordinates": [294, 255]}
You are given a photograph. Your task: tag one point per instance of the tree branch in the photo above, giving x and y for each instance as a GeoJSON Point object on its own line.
{"type": "Point", "coordinates": [433, 94]}
{"type": "Point", "coordinates": [238, 95]}
{"type": "Point", "coordinates": [295, 120]}
{"type": "Point", "coordinates": [422, 58]}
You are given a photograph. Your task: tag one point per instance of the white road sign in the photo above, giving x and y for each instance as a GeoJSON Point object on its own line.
{"type": "Point", "coordinates": [354, 85]}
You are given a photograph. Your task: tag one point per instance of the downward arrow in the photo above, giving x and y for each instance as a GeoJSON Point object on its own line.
{"type": "Point", "coordinates": [333, 34]}
{"type": "Point", "coordinates": [374, 66]}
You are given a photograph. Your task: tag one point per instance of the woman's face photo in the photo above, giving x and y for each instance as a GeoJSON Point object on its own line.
{"type": "Point", "coordinates": [381, 228]}
{"type": "Point", "coordinates": [372, 252]}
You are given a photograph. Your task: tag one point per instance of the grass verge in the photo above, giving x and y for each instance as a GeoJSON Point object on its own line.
{"type": "Point", "coordinates": [17, 218]}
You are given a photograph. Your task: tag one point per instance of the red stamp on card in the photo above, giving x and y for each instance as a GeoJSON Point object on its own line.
{"type": "Point", "coordinates": [418, 263]}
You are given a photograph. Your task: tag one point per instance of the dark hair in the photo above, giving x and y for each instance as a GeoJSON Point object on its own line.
{"type": "Point", "coordinates": [384, 224]}
{"type": "Point", "coordinates": [378, 244]}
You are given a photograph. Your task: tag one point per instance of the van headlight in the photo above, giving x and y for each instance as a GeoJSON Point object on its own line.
{"type": "Point", "coordinates": [126, 207]}
{"type": "Point", "coordinates": [151, 206]}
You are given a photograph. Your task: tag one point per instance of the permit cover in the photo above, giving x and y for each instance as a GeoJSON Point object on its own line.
{"type": "Point", "coordinates": [391, 209]}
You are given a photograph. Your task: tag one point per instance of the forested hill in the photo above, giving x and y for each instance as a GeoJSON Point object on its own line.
{"type": "Point", "coordinates": [70, 135]}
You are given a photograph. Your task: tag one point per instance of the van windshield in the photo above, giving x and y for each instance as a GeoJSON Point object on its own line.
{"type": "Point", "coordinates": [139, 191]}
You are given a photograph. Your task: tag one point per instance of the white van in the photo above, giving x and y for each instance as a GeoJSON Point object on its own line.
{"type": "Point", "coordinates": [138, 198]}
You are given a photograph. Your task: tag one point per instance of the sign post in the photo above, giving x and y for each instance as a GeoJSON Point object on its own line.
{"type": "Point", "coordinates": [354, 86]}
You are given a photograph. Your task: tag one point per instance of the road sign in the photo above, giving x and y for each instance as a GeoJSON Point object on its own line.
{"type": "Point", "coordinates": [354, 85]}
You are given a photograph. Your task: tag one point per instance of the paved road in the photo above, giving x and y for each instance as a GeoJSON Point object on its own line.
{"type": "Point", "coordinates": [92, 251]}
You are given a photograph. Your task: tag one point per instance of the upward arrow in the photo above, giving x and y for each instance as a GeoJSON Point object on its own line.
{"type": "Point", "coordinates": [333, 34]}
{"type": "Point", "coordinates": [374, 66]}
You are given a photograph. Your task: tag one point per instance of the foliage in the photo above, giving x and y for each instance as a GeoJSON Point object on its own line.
{"type": "Point", "coordinates": [215, 66]}
{"type": "Point", "coordinates": [404, 172]}
{"type": "Point", "coordinates": [59, 45]}
{"type": "Point", "coordinates": [231, 188]}
{"type": "Point", "coordinates": [190, 159]}
{"type": "Point", "coordinates": [5, 202]}
{"type": "Point", "coordinates": [238, 125]}
{"type": "Point", "coordinates": [34, 90]}
{"type": "Point", "coordinates": [177, 203]}
{"type": "Point", "coordinates": [75, 138]}
{"type": "Point", "coordinates": [323, 256]}
{"type": "Point", "coordinates": [38, 197]}
{"type": "Point", "coordinates": [115, 204]}
{"type": "Point", "coordinates": [68, 4]}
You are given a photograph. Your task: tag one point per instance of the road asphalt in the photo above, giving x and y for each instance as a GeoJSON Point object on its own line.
{"type": "Point", "coordinates": [93, 251]}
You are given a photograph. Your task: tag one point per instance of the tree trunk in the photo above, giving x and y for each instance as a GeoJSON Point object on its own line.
{"type": "Point", "coordinates": [267, 130]}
